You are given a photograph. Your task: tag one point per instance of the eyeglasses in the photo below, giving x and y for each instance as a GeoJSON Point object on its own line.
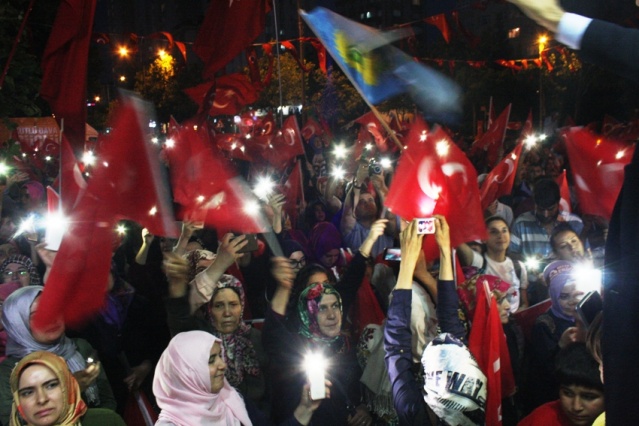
{"type": "Point", "coordinates": [298, 264]}
{"type": "Point", "coordinates": [19, 273]}
{"type": "Point", "coordinates": [335, 307]}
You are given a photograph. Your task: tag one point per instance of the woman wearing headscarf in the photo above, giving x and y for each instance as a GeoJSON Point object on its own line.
{"type": "Point", "coordinates": [21, 341]}
{"type": "Point", "coordinates": [553, 330]}
{"type": "Point", "coordinates": [16, 271]}
{"type": "Point", "coordinates": [215, 303]}
{"type": "Point", "coordinates": [191, 389]}
{"type": "Point", "coordinates": [45, 393]}
{"type": "Point", "coordinates": [325, 244]}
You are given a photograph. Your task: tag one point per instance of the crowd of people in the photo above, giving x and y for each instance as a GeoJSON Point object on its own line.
{"type": "Point", "coordinates": [212, 333]}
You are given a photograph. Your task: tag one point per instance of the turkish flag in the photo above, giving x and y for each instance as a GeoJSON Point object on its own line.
{"type": "Point", "coordinates": [207, 187]}
{"type": "Point", "coordinates": [370, 124]}
{"type": "Point", "coordinates": [292, 191]}
{"type": "Point", "coordinates": [435, 177]}
{"type": "Point", "coordinates": [564, 204]}
{"type": "Point", "coordinates": [492, 140]}
{"type": "Point", "coordinates": [232, 143]}
{"type": "Point", "coordinates": [527, 130]}
{"type": "Point", "coordinates": [64, 67]}
{"type": "Point", "coordinates": [71, 183]}
{"type": "Point", "coordinates": [226, 96]}
{"type": "Point", "coordinates": [597, 167]}
{"type": "Point", "coordinates": [229, 26]}
{"type": "Point", "coordinates": [311, 128]}
{"type": "Point", "coordinates": [126, 183]}
{"type": "Point", "coordinates": [487, 343]}
{"type": "Point", "coordinates": [500, 180]}
{"type": "Point", "coordinates": [286, 145]}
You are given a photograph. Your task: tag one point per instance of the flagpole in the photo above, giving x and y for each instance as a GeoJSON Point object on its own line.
{"type": "Point", "coordinates": [279, 65]}
{"type": "Point", "coordinates": [60, 165]}
{"type": "Point", "coordinates": [15, 43]}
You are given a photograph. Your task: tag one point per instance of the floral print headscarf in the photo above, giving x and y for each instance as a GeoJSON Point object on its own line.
{"type": "Point", "coordinates": [308, 308]}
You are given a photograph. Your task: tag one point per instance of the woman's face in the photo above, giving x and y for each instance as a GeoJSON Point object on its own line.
{"type": "Point", "coordinates": [318, 212]}
{"type": "Point", "coordinates": [298, 260]}
{"type": "Point", "coordinates": [503, 306]}
{"type": "Point", "coordinates": [329, 259]}
{"type": "Point", "coordinates": [568, 246]}
{"type": "Point", "coordinates": [329, 317]}
{"type": "Point", "coordinates": [16, 272]}
{"type": "Point", "coordinates": [226, 311]}
{"type": "Point", "coordinates": [580, 404]}
{"type": "Point", "coordinates": [569, 298]}
{"type": "Point", "coordinates": [40, 395]}
{"type": "Point", "coordinates": [217, 366]}
{"type": "Point", "coordinates": [317, 278]}
{"type": "Point", "coordinates": [498, 236]}
{"type": "Point", "coordinates": [52, 333]}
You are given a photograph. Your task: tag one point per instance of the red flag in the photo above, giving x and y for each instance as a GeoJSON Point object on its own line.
{"type": "Point", "coordinates": [500, 180]}
{"type": "Point", "coordinates": [441, 23]}
{"type": "Point", "coordinates": [293, 193]}
{"type": "Point", "coordinates": [487, 343]}
{"type": "Point", "coordinates": [70, 182]}
{"type": "Point", "coordinates": [371, 124]}
{"type": "Point", "coordinates": [228, 27]}
{"type": "Point", "coordinates": [435, 177]}
{"type": "Point", "coordinates": [64, 67]}
{"type": "Point", "coordinates": [286, 145]}
{"type": "Point", "coordinates": [206, 186]}
{"type": "Point", "coordinates": [493, 139]}
{"type": "Point", "coordinates": [126, 183]}
{"type": "Point", "coordinates": [527, 130]}
{"type": "Point", "coordinates": [311, 128]}
{"type": "Point", "coordinates": [226, 96]}
{"type": "Point", "coordinates": [564, 204]}
{"type": "Point", "coordinates": [597, 166]}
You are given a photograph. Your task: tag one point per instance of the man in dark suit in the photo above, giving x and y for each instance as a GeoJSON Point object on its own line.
{"type": "Point", "coordinates": [617, 49]}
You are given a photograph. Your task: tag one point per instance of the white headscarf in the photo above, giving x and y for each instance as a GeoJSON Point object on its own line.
{"type": "Point", "coordinates": [182, 385]}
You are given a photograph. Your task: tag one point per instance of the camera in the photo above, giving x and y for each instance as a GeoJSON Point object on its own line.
{"type": "Point", "coordinates": [374, 167]}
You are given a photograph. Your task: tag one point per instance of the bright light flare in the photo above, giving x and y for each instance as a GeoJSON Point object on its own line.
{"type": "Point", "coordinates": [123, 51]}
{"type": "Point", "coordinates": [4, 169]}
{"type": "Point", "coordinates": [338, 172]}
{"type": "Point", "coordinates": [588, 277]}
{"type": "Point", "coordinates": [251, 208]}
{"type": "Point", "coordinates": [264, 187]}
{"type": "Point", "coordinates": [169, 143]}
{"type": "Point", "coordinates": [423, 136]}
{"type": "Point", "coordinates": [153, 211]}
{"type": "Point", "coordinates": [532, 263]}
{"type": "Point", "coordinates": [200, 199]}
{"type": "Point", "coordinates": [542, 137]}
{"type": "Point", "coordinates": [154, 140]}
{"type": "Point", "coordinates": [340, 151]}
{"type": "Point", "coordinates": [530, 141]}
{"type": "Point", "coordinates": [120, 229]}
{"type": "Point", "coordinates": [385, 162]}
{"type": "Point", "coordinates": [315, 362]}
{"type": "Point", "coordinates": [442, 147]}
{"type": "Point", "coordinates": [88, 158]}
{"type": "Point", "coordinates": [368, 146]}
{"type": "Point", "coordinates": [620, 154]}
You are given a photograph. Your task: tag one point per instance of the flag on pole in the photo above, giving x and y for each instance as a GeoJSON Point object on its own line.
{"type": "Point", "coordinates": [492, 140]}
{"type": "Point", "coordinates": [564, 203]}
{"type": "Point", "coordinates": [500, 180]}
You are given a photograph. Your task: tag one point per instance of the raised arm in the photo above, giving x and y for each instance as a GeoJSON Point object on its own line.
{"type": "Point", "coordinates": [143, 253]}
{"type": "Point", "coordinates": [188, 228]}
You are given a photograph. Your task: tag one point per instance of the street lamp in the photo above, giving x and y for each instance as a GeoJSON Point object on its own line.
{"type": "Point", "coordinates": [123, 51]}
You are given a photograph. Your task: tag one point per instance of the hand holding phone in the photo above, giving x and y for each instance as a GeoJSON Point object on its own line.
{"type": "Point", "coordinates": [425, 225]}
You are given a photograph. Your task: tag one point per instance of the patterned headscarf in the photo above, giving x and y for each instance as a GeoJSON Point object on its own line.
{"type": "Point", "coordinates": [194, 257]}
{"type": "Point", "coordinates": [557, 275]}
{"type": "Point", "coordinates": [467, 291]}
{"type": "Point", "coordinates": [239, 353]}
{"type": "Point", "coordinates": [73, 407]}
{"type": "Point", "coordinates": [26, 262]}
{"type": "Point", "coordinates": [308, 308]}
{"type": "Point", "coordinates": [20, 342]}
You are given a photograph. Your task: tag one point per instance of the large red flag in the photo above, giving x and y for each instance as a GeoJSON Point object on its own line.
{"type": "Point", "coordinates": [597, 166]}
{"type": "Point", "coordinates": [286, 145]}
{"type": "Point", "coordinates": [64, 67]}
{"type": "Point", "coordinates": [207, 187]}
{"type": "Point", "coordinates": [371, 130]}
{"type": "Point", "coordinates": [492, 140]}
{"type": "Point", "coordinates": [229, 26]}
{"type": "Point", "coordinates": [71, 182]}
{"type": "Point", "coordinates": [500, 180]}
{"type": "Point", "coordinates": [487, 343]}
{"type": "Point", "coordinates": [292, 191]}
{"type": "Point", "coordinates": [311, 128]}
{"type": "Point", "coordinates": [435, 177]}
{"type": "Point", "coordinates": [226, 96]}
{"type": "Point", "coordinates": [564, 204]}
{"type": "Point", "coordinates": [127, 183]}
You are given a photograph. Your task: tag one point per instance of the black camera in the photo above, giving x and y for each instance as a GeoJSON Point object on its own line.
{"type": "Point", "coordinates": [374, 167]}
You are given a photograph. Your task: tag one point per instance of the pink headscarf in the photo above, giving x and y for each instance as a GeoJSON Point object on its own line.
{"type": "Point", "coordinates": [182, 385]}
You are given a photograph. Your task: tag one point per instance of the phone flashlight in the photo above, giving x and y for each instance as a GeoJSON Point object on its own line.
{"type": "Point", "coordinates": [315, 365]}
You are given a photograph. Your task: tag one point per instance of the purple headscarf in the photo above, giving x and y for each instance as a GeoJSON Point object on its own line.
{"type": "Point", "coordinates": [323, 238]}
{"type": "Point", "coordinates": [557, 275]}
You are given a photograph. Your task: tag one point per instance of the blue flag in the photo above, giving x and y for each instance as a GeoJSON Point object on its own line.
{"type": "Point", "coordinates": [379, 70]}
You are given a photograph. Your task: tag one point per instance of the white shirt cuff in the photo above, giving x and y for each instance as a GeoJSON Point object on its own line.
{"type": "Point", "coordinates": [571, 29]}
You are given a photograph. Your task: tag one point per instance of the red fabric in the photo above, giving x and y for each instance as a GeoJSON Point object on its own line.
{"type": "Point", "coordinates": [206, 186]}
{"type": "Point", "coordinates": [321, 54]}
{"type": "Point", "coordinates": [64, 67]}
{"type": "Point", "coordinates": [441, 23]}
{"type": "Point", "coordinates": [286, 145]}
{"type": "Point", "coordinates": [597, 167]}
{"type": "Point", "coordinates": [371, 124]}
{"type": "Point", "coordinates": [133, 412]}
{"type": "Point", "coordinates": [493, 139]}
{"type": "Point", "coordinates": [526, 318]}
{"type": "Point", "coordinates": [292, 192]}
{"type": "Point", "coordinates": [527, 129]}
{"type": "Point", "coordinates": [500, 180]}
{"type": "Point", "coordinates": [229, 26]}
{"type": "Point", "coordinates": [564, 204]}
{"type": "Point", "coordinates": [549, 414]}
{"type": "Point", "coordinates": [126, 183]}
{"type": "Point", "coordinates": [487, 343]}
{"type": "Point", "coordinates": [435, 177]}
{"type": "Point", "coordinates": [71, 182]}
{"type": "Point", "coordinates": [366, 309]}
{"type": "Point", "coordinates": [232, 144]}
{"type": "Point", "coordinates": [226, 96]}
{"type": "Point", "coordinates": [311, 128]}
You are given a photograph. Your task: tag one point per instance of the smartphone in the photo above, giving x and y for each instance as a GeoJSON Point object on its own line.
{"type": "Point", "coordinates": [251, 245]}
{"type": "Point", "coordinates": [589, 307]}
{"type": "Point", "coordinates": [426, 225]}
{"type": "Point", "coordinates": [393, 254]}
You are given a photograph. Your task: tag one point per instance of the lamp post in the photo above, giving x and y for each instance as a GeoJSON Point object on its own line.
{"type": "Point", "coordinates": [542, 45]}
